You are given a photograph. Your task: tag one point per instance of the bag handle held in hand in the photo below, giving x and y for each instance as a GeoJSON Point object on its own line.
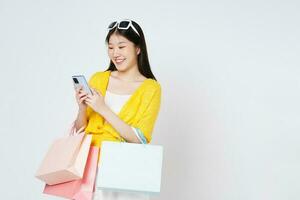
{"type": "Point", "coordinates": [73, 130]}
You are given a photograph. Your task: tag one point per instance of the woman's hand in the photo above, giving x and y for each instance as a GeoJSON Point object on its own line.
{"type": "Point", "coordinates": [80, 96]}
{"type": "Point", "coordinates": [95, 101]}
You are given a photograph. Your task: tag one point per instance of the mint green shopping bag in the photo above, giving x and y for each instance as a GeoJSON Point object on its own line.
{"type": "Point", "coordinates": [130, 167]}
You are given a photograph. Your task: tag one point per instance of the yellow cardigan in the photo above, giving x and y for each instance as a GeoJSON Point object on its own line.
{"type": "Point", "coordinates": [140, 110]}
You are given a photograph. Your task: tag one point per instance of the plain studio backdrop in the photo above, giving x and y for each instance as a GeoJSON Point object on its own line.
{"type": "Point", "coordinates": [229, 70]}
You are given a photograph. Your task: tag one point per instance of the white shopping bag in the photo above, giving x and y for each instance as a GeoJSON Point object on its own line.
{"type": "Point", "coordinates": [130, 167]}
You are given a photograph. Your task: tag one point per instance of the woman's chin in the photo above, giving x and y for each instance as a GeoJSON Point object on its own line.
{"type": "Point", "coordinates": [121, 67]}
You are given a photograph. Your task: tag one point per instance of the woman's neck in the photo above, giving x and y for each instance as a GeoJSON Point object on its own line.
{"type": "Point", "coordinates": [131, 75]}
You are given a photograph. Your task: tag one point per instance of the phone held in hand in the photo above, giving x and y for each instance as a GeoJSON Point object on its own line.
{"type": "Point", "coordinates": [79, 80]}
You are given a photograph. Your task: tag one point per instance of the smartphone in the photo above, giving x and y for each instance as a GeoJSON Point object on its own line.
{"type": "Point", "coordinates": [79, 80]}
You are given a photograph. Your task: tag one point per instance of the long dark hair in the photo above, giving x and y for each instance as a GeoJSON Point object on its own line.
{"type": "Point", "coordinates": [139, 41]}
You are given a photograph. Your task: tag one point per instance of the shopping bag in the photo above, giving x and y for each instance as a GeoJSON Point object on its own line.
{"type": "Point", "coordinates": [130, 167]}
{"type": "Point", "coordinates": [80, 189]}
{"type": "Point", "coordinates": [66, 158]}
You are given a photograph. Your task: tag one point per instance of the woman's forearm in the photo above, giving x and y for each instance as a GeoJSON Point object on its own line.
{"type": "Point", "coordinates": [123, 128]}
{"type": "Point", "coordinates": [81, 119]}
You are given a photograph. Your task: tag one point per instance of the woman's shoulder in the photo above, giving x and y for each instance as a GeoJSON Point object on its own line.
{"type": "Point", "coordinates": [100, 73]}
{"type": "Point", "coordinates": [96, 76]}
{"type": "Point", "coordinates": [152, 85]}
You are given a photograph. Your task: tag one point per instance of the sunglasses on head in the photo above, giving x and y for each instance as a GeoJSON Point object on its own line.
{"type": "Point", "coordinates": [124, 24]}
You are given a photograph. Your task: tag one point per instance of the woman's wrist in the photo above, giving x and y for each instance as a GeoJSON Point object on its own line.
{"type": "Point", "coordinates": [82, 109]}
{"type": "Point", "coordinates": [102, 110]}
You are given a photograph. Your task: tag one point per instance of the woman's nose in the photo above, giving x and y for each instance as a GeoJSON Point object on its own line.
{"type": "Point", "coordinates": [116, 53]}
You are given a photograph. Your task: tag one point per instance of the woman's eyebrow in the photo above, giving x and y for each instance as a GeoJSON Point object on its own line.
{"type": "Point", "coordinates": [118, 43]}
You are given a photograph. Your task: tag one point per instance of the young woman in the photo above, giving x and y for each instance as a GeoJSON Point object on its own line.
{"type": "Point", "coordinates": [126, 97]}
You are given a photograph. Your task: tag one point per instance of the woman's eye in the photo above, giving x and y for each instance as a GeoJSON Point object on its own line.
{"type": "Point", "coordinates": [110, 48]}
{"type": "Point", "coordinates": [121, 47]}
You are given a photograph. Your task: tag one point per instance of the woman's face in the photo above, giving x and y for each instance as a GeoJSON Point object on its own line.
{"type": "Point", "coordinates": [122, 52]}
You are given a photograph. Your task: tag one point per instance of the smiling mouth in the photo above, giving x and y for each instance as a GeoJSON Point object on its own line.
{"type": "Point", "coordinates": [119, 61]}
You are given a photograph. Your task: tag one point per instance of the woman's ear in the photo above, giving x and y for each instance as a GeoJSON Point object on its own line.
{"type": "Point", "coordinates": [138, 50]}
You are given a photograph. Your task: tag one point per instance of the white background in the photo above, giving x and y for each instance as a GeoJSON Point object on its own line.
{"type": "Point", "coordinates": [229, 71]}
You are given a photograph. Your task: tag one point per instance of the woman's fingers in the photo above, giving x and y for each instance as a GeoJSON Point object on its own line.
{"type": "Point", "coordinates": [95, 91]}
{"type": "Point", "coordinates": [81, 100]}
{"type": "Point", "coordinates": [77, 89]}
{"type": "Point", "coordinates": [88, 97]}
{"type": "Point", "coordinates": [79, 96]}
{"type": "Point", "coordinates": [87, 101]}
{"type": "Point", "coordinates": [83, 97]}
{"type": "Point", "coordinates": [82, 94]}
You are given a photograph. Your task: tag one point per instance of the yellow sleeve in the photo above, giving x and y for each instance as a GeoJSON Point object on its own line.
{"type": "Point", "coordinates": [146, 123]}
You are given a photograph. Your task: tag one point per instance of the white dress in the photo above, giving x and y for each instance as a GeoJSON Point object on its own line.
{"type": "Point", "coordinates": [116, 102]}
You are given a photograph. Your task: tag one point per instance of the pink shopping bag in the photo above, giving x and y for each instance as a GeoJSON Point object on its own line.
{"type": "Point", "coordinates": [66, 158]}
{"type": "Point", "coordinates": [79, 189]}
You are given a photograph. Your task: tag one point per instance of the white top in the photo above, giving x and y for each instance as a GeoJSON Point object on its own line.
{"type": "Point", "coordinates": [116, 101]}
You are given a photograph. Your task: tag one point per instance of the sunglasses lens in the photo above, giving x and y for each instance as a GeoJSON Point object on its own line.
{"type": "Point", "coordinates": [112, 25]}
{"type": "Point", "coordinates": [124, 24]}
